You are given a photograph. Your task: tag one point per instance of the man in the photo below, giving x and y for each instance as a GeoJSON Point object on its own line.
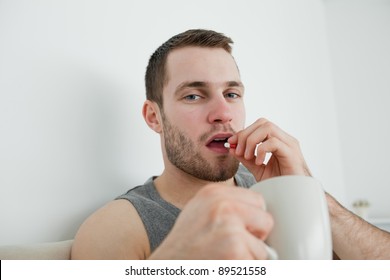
{"type": "Point", "coordinates": [194, 209]}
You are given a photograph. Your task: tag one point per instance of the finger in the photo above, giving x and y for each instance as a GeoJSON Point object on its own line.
{"type": "Point", "coordinates": [257, 221]}
{"type": "Point", "coordinates": [253, 219]}
{"type": "Point", "coordinates": [290, 160]}
{"type": "Point", "coordinates": [241, 137]}
{"type": "Point", "coordinates": [256, 133]}
{"type": "Point", "coordinates": [256, 248]}
{"type": "Point", "coordinates": [260, 155]}
{"type": "Point", "coordinates": [275, 146]}
{"type": "Point", "coordinates": [259, 250]}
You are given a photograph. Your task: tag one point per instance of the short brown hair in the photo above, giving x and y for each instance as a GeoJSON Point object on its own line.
{"type": "Point", "coordinates": [155, 77]}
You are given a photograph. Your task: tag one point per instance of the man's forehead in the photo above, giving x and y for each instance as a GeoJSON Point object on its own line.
{"type": "Point", "coordinates": [199, 64]}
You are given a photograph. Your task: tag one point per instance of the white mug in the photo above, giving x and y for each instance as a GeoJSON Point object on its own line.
{"type": "Point", "coordinates": [301, 219]}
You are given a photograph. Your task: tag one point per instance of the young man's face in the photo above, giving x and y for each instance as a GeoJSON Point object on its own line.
{"type": "Point", "coordinates": [203, 106]}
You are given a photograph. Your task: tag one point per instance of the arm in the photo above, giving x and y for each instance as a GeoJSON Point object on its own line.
{"type": "Point", "coordinates": [220, 222]}
{"type": "Point", "coordinates": [113, 232]}
{"type": "Point", "coordinates": [353, 237]}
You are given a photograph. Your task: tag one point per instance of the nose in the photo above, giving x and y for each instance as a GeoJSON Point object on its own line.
{"type": "Point", "coordinates": [220, 110]}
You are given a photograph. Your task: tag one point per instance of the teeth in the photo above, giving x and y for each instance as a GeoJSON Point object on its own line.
{"type": "Point", "coordinates": [220, 139]}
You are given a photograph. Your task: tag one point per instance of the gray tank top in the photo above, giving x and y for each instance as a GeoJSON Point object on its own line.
{"type": "Point", "coordinates": [159, 215]}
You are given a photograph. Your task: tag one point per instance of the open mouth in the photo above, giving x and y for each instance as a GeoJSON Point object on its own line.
{"type": "Point", "coordinates": [217, 143]}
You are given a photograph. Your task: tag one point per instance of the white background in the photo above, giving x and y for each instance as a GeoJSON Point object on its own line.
{"type": "Point", "coordinates": [71, 89]}
{"type": "Point", "coordinates": [274, 270]}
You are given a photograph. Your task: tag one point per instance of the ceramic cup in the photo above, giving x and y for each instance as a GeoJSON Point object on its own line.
{"type": "Point", "coordinates": [301, 219]}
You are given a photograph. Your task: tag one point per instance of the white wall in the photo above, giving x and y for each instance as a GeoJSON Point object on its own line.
{"type": "Point", "coordinates": [71, 90]}
{"type": "Point", "coordinates": [359, 35]}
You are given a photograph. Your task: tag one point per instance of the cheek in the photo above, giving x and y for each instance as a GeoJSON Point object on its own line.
{"type": "Point", "coordinates": [192, 122]}
{"type": "Point", "coordinates": [189, 122]}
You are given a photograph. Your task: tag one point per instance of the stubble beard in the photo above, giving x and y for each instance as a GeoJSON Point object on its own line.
{"type": "Point", "coordinates": [183, 153]}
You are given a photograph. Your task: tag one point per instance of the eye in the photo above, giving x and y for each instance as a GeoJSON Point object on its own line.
{"type": "Point", "coordinates": [232, 95]}
{"type": "Point", "coordinates": [192, 97]}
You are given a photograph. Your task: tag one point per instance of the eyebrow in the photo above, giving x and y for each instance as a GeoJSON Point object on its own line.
{"type": "Point", "coordinates": [201, 84]}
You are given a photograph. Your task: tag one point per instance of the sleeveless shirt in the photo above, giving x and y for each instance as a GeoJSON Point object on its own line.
{"type": "Point", "coordinates": [158, 215]}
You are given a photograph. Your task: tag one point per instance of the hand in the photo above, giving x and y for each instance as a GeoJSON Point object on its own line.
{"type": "Point", "coordinates": [265, 137]}
{"type": "Point", "coordinates": [220, 222]}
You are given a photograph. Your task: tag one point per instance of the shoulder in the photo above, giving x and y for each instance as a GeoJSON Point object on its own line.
{"type": "Point", "coordinates": [113, 232]}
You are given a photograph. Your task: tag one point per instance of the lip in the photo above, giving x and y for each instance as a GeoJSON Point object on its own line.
{"type": "Point", "coordinates": [219, 135]}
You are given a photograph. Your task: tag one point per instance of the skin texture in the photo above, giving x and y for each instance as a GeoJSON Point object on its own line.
{"type": "Point", "coordinates": [354, 238]}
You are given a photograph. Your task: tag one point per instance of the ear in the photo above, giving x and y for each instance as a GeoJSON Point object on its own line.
{"type": "Point", "coordinates": [152, 116]}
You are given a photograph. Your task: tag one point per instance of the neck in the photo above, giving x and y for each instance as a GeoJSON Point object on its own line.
{"type": "Point", "coordinates": [178, 187]}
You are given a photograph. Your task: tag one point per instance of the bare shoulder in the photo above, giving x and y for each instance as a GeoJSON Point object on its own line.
{"type": "Point", "coordinates": [113, 232]}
